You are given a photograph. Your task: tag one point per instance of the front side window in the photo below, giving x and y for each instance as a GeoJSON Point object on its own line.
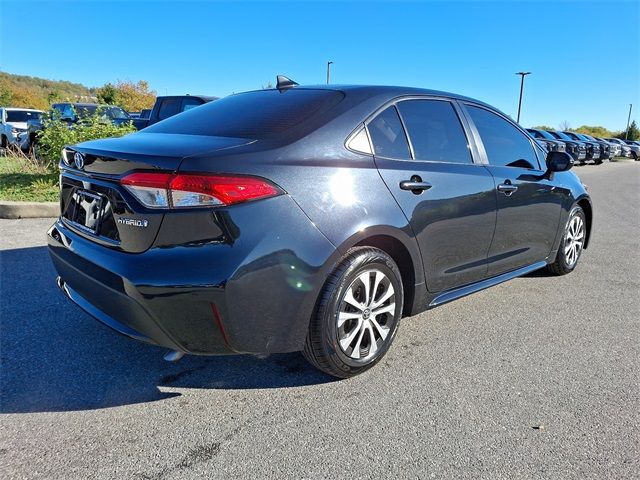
{"type": "Point", "coordinates": [504, 144]}
{"type": "Point", "coordinates": [435, 131]}
{"type": "Point", "coordinates": [535, 134]}
{"type": "Point", "coordinates": [387, 135]}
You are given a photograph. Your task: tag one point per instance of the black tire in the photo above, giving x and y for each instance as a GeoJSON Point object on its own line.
{"type": "Point", "coordinates": [599, 162]}
{"type": "Point", "coordinates": [564, 262]}
{"type": "Point", "coordinates": [323, 347]}
{"type": "Point", "coordinates": [635, 156]}
{"type": "Point", "coordinates": [3, 145]}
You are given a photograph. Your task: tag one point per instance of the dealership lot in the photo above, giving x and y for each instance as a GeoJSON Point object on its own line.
{"type": "Point", "coordinates": [538, 377]}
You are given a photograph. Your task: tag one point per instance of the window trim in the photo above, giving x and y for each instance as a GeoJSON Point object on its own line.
{"type": "Point", "coordinates": [474, 152]}
{"type": "Point", "coordinates": [478, 138]}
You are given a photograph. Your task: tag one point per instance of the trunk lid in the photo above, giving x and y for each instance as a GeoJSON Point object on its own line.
{"type": "Point", "coordinates": [95, 205]}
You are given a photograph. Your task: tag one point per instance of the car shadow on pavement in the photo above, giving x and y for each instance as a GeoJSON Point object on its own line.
{"type": "Point", "coordinates": [54, 357]}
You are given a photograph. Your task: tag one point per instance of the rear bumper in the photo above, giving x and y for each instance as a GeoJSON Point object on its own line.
{"type": "Point", "coordinates": [254, 296]}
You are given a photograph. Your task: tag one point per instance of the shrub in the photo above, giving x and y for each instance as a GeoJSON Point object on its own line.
{"type": "Point", "coordinates": [57, 134]}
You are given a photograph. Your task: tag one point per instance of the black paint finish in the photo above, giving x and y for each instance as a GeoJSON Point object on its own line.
{"type": "Point", "coordinates": [245, 278]}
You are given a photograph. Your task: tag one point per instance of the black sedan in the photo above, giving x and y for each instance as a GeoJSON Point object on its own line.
{"type": "Point", "coordinates": [309, 219]}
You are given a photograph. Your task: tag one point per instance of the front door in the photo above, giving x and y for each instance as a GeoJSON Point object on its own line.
{"type": "Point", "coordinates": [423, 155]}
{"type": "Point", "coordinates": [529, 205]}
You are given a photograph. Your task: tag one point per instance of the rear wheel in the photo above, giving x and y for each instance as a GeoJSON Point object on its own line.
{"type": "Point", "coordinates": [572, 243]}
{"type": "Point", "coordinates": [357, 315]}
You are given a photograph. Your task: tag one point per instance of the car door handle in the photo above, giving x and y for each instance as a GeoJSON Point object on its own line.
{"type": "Point", "coordinates": [507, 188]}
{"type": "Point", "coordinates": [416, 185]}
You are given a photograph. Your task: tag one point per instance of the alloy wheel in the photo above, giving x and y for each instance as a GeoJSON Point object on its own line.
{"type": "Point", "coordinates": [366, 315]}
{"type": "Point", "coordinates": [574, 240]}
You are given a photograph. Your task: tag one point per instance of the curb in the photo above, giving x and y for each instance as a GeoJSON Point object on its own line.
{"type": "Point", "coordinates": [29, 209]}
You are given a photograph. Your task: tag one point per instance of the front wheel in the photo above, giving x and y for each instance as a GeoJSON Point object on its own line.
{"type": "Point", "coordinates": [357, 314]}
{"type": "Point", "coordinates": [572, 243]}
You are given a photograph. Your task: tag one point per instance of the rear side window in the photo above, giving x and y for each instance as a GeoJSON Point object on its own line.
{"type": "Point", "coordinates": [387, 135]}
{"type": "Point", "coordinates": [253, 115]}
{"type": "Point", "coordinates": [169, 107]}
{"type": "Point", "coordinates": [505, 145]}
{"type": "Point", "coordinates": [435, 131]}
{"type": "Point", "coordinates": [190, 103]}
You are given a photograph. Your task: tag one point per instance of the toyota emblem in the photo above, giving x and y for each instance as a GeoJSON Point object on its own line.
{"type": "Point", "coordinates": [78, 158]}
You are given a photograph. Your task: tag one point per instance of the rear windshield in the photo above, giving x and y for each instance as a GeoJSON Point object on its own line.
{"type": "Point", "coordinates": [252, 115]}
{"type": "Point", "coordinates": [22, 115]}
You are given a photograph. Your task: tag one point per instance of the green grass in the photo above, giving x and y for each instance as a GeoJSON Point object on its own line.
{"type": "Point", "coordinates": [20, 179]}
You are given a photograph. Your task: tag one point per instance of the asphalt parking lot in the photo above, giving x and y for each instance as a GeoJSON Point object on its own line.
{"type": "Point", "coordinates": [536, 378]}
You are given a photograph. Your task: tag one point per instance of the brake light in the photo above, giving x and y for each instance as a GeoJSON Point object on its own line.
{"type": "Point", "coordinates": [166, 190]}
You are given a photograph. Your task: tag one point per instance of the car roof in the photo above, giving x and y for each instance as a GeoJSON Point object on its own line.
{"type": "Point", "coordinates": [21, 109]}
{"type": "Point", "coordinates": [388, 90]}
{"type": "Point", "coordinates": [208, 98]}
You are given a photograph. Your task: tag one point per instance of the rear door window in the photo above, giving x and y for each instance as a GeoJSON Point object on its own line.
{"type": "Point", "coordinates": [435, 131]}
{"type": "Point", "coordinates": [504, 144]}
{"type": "Point", "coordinates": [168, 108]}
{"type": "Point", "coordinates": [387, 135]}
{"type": "Point", "coordinates": [189, 103]}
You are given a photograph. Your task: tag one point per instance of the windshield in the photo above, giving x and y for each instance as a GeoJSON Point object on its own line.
{"type": "Point", "coordinates": [560, 136]}
{"type": "Point", "coordinates": [114, 112]}
{"type": "Point", "coordinates": [68, 110]}
{"type": "Point", "coordinates": [546, 135]}
{"type": "Point", "coordinates": [253, 115]}
{"type": "Point", "coordinates": [22, 115]}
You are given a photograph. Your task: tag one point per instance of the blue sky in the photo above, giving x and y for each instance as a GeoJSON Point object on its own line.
{"type": "Point", "coordinates": [584, 55]}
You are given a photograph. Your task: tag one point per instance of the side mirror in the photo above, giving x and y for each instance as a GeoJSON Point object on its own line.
{"type": "Point", "coordinates": [559, 162]}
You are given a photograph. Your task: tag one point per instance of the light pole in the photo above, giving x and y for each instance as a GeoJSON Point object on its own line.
{"type": "Point", "coordinates": [328, 72]}
{"type": "Point", "coordinates": [626, 134]}
{"type": "Point", "coordinates": [522, 75]}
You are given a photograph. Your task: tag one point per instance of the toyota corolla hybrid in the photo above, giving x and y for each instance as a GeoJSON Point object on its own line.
{"type": "Point", "coordinates": [309, 219]}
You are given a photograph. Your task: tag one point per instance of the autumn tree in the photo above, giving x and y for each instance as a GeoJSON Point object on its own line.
{"type": "Point", "coordinates": [132, 96]}
{"type": "Point", "coordinates": [107, 94]}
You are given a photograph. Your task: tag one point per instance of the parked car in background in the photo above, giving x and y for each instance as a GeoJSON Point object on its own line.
{"type": "Point", "coordinates": [169, 106]}
{"type": "Point", "coordinates": [606, 152]}
{"type": "Point", "coordinates": [75, 112]}
{"type": "Point", "coordinates": [14, 126]}
{"type": "Point", "coordinates": [547, 141]}
{"type": "Point", "coordinates": [309, 219]}
{"type": "Point", "coordinates": [635, 148]}
{"type": "Point", "coordinates": [577, 150]}
{"type": "Point", "coordinates": [615, 150]}
{"type": "Point", "coordinates": [626, 150]}
{"type": "Point", "coordinates": [593, 147]}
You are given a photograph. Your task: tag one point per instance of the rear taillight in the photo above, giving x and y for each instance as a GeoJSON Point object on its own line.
{"type": "Point", "coordinates": [167, 190]}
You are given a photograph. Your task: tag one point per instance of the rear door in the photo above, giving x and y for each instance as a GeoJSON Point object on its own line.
{"type": "Point", "coordinates": [529, 204]}
{"type": "Point", "coordinates": [426, 160]}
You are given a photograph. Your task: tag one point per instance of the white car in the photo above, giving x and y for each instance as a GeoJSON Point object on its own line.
{"type": "Point", "coordinates": [13, 126]}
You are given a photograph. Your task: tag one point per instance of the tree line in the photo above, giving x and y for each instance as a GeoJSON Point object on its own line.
{"type": "Point", "coordinates": [597, 131]}
{"type": "Point", "coordinates": [39, 93]}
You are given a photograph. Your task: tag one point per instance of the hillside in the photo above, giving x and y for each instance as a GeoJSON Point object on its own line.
{"type": "Point", "coordinates": [34, 92]}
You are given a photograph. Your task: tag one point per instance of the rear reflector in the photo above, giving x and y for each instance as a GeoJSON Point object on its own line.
{"type": "Point", "coordinates": [166, 190]}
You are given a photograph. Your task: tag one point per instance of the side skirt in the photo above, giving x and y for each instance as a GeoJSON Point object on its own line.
{"type": "Point", "coordinates": [460, 292]}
